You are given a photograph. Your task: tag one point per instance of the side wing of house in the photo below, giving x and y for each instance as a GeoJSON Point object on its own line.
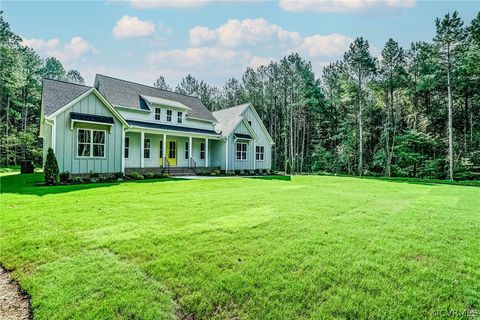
{"type": "Point", "coordinates": [85, 134]}
{"type": "Point", "coordinates": [249, 144]}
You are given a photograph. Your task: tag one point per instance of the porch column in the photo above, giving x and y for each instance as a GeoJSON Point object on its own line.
{"type": "Point", "coordinates": [142, 144]}
{"type": "Point", "coordinates": [206, 152]}
{"type": "Point", "coordinates": [254, 155]}
{"type": "Point", "coordinates": [226, 154]}
{"type": "Point", "coordinates": [164, 146]}
{"type": "Point", "coordinates": [190, 155]}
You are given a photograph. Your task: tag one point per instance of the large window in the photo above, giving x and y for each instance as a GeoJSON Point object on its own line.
{"type": "Point", "coordinates": [186, 150]}
{"type": "Point", "coordinates": [146, 148]}
{"type": "Point", "coordinates": [90, 143]}
{"type": "Point", "coordinates": [169, 115]}
{"type": "Point", "coordinates": [127, 148]}
{"type": "Point", "coordinates": [241, 151]}
{"type": "Point", "coordinates": [202, 151]}
{"type": "Point", "coordinates": [260, 153]}
{"type": "Point", "coordinates": [179, 117]}
{"type": "Point", "coordinates": [158, 113]}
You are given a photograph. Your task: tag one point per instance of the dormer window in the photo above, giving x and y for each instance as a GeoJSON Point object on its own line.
{"type": "Point", "coordinates": [179, 118]}
{"type": "Point", "coordinates": [169, 115]}
{"type": "Point", "coordinates": [158, 113]}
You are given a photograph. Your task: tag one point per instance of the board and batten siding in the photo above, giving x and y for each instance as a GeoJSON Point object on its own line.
{"type": "Point", "coordinates": [66, 139]}
{"type": "Point", "coordinates": [262, 139]}
{"type": "Point", "coordinates": [47, 140]}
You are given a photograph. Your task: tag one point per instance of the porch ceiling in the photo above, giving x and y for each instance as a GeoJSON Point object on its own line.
{"type": "Point", "coordinates": [161, 126]}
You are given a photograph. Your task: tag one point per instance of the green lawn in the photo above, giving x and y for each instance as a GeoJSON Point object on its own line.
{"type": "Point", "coordinates": [308, 247]}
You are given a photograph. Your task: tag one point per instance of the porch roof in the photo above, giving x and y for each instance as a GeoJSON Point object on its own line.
{"type": "Point", "coordinates": [162, 126]}
{"type": "Point", "coordinates": [91, 117]}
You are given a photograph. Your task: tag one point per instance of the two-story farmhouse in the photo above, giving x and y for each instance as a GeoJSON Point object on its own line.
{"type": "Point", "coordinates": [118, 125]}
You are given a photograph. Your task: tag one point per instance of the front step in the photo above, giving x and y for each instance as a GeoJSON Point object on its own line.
{"type": "Point", "coordinates": [180, 171]}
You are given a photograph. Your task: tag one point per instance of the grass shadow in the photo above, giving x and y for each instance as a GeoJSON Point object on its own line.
{"type": "Point", "coordinates": [279, 178]}
{"type": "Point", "coordinates": [29, 184]}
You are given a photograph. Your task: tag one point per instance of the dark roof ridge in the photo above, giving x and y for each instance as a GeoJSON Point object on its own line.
{"type": "Point", "coordinates": [67, 82]}
{"type": "Point", "coordinates": [152, 87]}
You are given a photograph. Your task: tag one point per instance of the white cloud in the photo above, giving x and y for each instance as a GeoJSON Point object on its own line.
{"type": "Point", "coordinates": [68, 52]}
{"type": "Point", "coordinates": [153, 4]}
{"type": "Point", "coordinates": [323, 45]}
{"type": "Point", "coordinates": [235, 33]}
{"type": "Point", "coordinates": [342, 5]}
{"type": "Point", "coordinates": [204, 58]}
{"type": "Point", "coordinates": [256, 62]}
{"type": "Point", "coordinates": [132, 27]}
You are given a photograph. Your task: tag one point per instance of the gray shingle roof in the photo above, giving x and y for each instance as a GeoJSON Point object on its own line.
{"type": "Point", "coordinates": [127, 94]}
{"type": "Point", "coordinates": [227, 119]}
{"type": "Point", "coordinates": [56, 94]}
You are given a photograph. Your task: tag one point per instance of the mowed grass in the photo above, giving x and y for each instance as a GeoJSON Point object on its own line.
{"type": "Point", "coordinates": [305, 247]}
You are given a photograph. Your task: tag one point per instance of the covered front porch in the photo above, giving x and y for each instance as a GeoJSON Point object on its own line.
{"type": "Point", "coordinates": [145, 149]}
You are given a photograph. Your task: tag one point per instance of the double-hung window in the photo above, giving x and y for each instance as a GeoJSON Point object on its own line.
{"type": "Point", "coordinates": [202, 151]}
{"type": "Point", "coordinates": [158, 113]}
{"type": "Point", "coordinates": [127, 148]}
{"type": "Point", "coordinates": [169, 115]}
{"type": "Point", "coordinates": [241, 151]}
{"type": "Point", "coordinates": [179, 117]}
{"type": "Point", "coordinates": [90, 143]}
{"type": "Point", "coordinates": [260, 153]}
{"type": "Point", "coordinates": [186, 150]}
{"type": "Point", "coordinates": [146, 148]}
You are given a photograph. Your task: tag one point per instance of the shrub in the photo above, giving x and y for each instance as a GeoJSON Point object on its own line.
{"type": "Point", "coordinates": [257, 171]}
{"type": "Point", "coordinates": [246, 172]}
{"type": "Point", "coordinates": [265, 171]}
{"type": "Point", "coordinates": [164, 175]}
{"type": "Point", "coordinates": [93, 180]}
{"type": "Point", "coordinates": [64, 176]}
{"type": "Point", "coordinates": [137, 176]}
{"type": "Point", "coordinates": [118, 175]}
{"type": "Point", "coordinates": [150, 175]}
{"type": "Point", "coordinates": [237, 172]}
{"type": "Point", "coordinates": [216, 171]}
{"type": "Point", "coordinates": [76, 179]}
{"type": "Point", "coordinates": [213, 173]}
{"type": "Point", "coordinates": [51, 168]}
{"type": "Point", "coordinates": [95, 175]}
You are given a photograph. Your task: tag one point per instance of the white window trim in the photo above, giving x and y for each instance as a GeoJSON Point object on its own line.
{"type": "Point", "coordinates": [149, 148]}
{"type": "Point", "coordinates": [159, 114]}
{"type": "Point", "coordinates": [91, 144]}
{"type": "Point", "coordinates": [126, 148]}
{"type": "Point", "coordinates": [262, 153]}
{"type": "Point", "coordinates": [241, 152]}
{"type": "Point", "coordinates": [171, 115]}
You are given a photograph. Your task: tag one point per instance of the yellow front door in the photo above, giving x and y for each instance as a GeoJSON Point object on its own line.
{"type": "Point", "coordinates": [172, 152]}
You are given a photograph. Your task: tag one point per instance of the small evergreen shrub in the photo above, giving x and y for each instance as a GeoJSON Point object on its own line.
{"type": "Point", "coordinates": [95, 175]}
{"type": "Point", "coordinates": [64, 176]}
{"type": "Point", "coordinates": [246, 172]}
{"type": "Point", "coordinates": [257, 171]}
{"type": "Point", "coordinates": [119, 174]}
{"type": "Point", "coordinates": [51, 168]}
{"type": "Point", "coordinates": [76, 179]}
{"type": "Point", "coordinates": [237, 172]}
{"type": "Point", "coordinates": [150, 175]}
{"type": "Point", "coordinates": [164, 175]}
{"type": "Point", "coordinates": [137, 176]}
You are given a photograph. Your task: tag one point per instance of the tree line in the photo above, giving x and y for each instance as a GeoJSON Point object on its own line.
{"type": "Point", "coordinates": [410, 112]}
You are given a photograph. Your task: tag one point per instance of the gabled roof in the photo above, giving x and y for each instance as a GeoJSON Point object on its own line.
{"type": "Point", "coordinates": [129, 94]}
{"type": "Point", "coordinates": [228, 119]}
{"type": "Point", "coordinates": [57, 94]}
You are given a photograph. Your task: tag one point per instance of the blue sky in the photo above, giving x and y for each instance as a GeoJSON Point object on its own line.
{"type": "Point", "coordinates": [214, 40]}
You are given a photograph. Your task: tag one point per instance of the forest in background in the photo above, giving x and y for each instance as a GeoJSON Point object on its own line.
{"type": "Point", "coordinates": [410, 112]}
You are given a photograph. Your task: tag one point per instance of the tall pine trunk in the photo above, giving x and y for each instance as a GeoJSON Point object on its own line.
{"type": "Point", "coordinates": [450, 129]}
